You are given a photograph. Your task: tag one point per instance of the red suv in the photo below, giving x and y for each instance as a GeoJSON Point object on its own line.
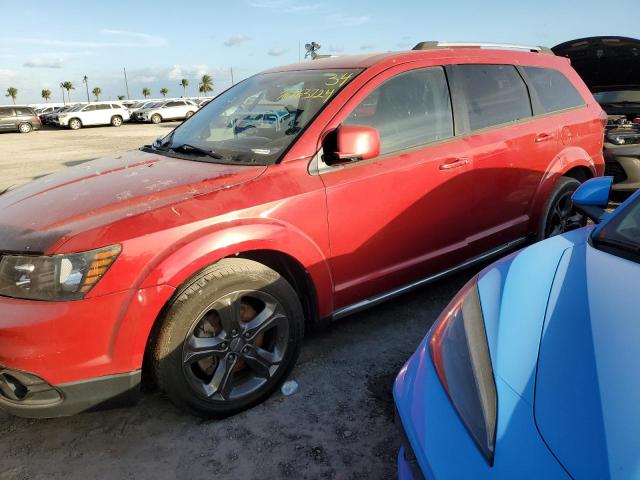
{"type": "Point", "coordinates": [304, 193]}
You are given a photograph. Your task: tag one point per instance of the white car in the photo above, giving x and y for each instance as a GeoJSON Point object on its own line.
{"type": "Point", "coordinates": [93, 114]}
{"type": "Point", "coordinates": [137, 106]}
{"type": "Point", "coordinates": [169, 110]}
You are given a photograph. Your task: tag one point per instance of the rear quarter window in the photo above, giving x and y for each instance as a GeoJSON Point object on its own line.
{"type": "Point", "coordinates": [493, 94]}
{"type": "Point", "coordinates": [23, 111]}
{"type": "Point", "coordinates": [553, 90]}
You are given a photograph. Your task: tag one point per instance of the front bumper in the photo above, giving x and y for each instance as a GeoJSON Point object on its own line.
{"type": "Point", "coordinates": [27, 395]}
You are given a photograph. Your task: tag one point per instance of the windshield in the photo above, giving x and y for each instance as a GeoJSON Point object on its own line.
{"type": "Point", "coordinates": [258, 119]}
{"type": "Point", "coordinates": [617, 96]}
{"type": "Point", "coordinates": [621, 235]}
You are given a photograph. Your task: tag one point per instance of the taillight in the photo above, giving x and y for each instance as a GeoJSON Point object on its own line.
{"type": "Point", "coordinates": [604, 118]}
{"type": "Point", "coordinates": [460, 353]}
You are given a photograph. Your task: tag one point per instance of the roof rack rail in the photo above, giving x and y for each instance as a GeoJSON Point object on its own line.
{"type": "Point", "coordinates": [433, 45]}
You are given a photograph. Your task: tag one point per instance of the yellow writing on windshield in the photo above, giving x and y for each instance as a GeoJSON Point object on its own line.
{"type": "Point", "coordinates": [323, 94]}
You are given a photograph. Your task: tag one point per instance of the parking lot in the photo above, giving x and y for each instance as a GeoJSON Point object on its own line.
{"type": "Point", "coordinates": [28, 156]}
{"type": "Point", "coordinates": [339, 424]}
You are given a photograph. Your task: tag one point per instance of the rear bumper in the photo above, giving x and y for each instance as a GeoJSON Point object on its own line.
{"type": "Point", "coordinates": [27, 395]}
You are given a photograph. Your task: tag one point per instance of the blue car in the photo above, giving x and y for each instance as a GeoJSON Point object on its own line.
{"type": "Point", "coordinates": [531, 372]}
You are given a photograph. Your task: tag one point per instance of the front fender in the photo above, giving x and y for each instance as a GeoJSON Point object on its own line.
{"type": "Point", "coordinates": [567, 159]}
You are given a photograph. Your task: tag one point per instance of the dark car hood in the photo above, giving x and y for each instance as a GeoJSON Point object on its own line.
{"type": "Point", "coordinates": [587, 385]}
{"type": "Point", "coordinates": [604, 63]}
{"type": "Point", "coordinates": [40, 215]}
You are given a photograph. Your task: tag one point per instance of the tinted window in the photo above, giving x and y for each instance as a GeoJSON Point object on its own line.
{"type": "Point", "coordinates": [408, 110]}
{"type": "Point", "coordinates": [23, 111]}
{"type": "Point", "coordinates": [174, 104]}
{"type": "Point", "coordinates": [6, 112]}
{"type": "Point", "coordinates": [113, 105]}
{"type": "Point", "coordinates": [103, 106]}
{"type": "Point", "coordinates": [495, 94]}
{"type": "Point", "coordinates": [554, 91]}
{"type": "Point", "coordinates": [90, 108]}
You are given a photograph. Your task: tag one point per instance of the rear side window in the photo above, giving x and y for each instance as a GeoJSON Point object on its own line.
{"type": "Point", "coordinates": [23, 111]}
{"type": "Point", "coordinates": [103, 106]}
{"type": "Point", "coordinates": [494, 94]}
{"type": "Point", "coordinates": [408, 110]}
{"type": "Point", "coordinates": [6, 112]}
{"type": "Point", "coordinates": [554, 91]}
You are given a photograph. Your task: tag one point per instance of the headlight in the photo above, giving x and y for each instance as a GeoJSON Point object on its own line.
{"type": "Point", "coordinates": [460, 353]}
{"type": "Point", "coordinates": [55, 278]}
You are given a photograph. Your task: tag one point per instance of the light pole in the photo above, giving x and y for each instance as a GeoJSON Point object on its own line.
{"type": "Point", "coordinates": [85, 80]}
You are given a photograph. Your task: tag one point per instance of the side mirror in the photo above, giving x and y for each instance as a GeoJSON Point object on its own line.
{"type": "Point", "coordinates": [157, 142]}
{"type": "Point", "coordinates": [592, 197]}
{"type": "Point", "coordinates": [349, 143]}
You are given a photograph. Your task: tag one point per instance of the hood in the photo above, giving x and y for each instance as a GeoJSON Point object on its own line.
{"type": "Point", "coordinates": [604, 63]}
{"type": "Point", "coordinates": [49, 210]}
{"type": "Point", "coordinates": [587, 388]}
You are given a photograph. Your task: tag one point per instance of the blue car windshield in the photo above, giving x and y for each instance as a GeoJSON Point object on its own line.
{"type": "Point", "coordinates": [621, 235]}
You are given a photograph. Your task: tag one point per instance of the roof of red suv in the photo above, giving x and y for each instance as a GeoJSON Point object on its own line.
{"type": "Point", "coordinates": [368, 60]}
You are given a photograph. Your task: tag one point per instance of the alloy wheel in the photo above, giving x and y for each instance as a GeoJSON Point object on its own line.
{"type": "Point", "coordinates": [236, 345]}
{"type": "Point", "coordinates": [563, 217]}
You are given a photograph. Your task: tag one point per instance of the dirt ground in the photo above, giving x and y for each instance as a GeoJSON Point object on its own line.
{"type": "Point", "coordinates": [338, 425]}
{"type": "Point", "coordinates": [27, 156]}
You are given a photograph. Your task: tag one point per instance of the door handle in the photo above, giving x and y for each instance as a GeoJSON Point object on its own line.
{"type": "Point", "coordinates": [455, 163]}
{"type": "Point", "coordinates": [543, 137]}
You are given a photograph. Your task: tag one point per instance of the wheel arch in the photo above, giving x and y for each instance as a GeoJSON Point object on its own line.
{"type": "Point", "coordinates": [572, 162]}
{"type": "Point", "coordinates": [284, 250]}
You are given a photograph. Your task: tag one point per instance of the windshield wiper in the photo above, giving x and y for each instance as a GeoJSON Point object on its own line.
{"type": "Point", "coordinates": [188, 148]}
{"type": "Point", "coordinates": [621, 102]}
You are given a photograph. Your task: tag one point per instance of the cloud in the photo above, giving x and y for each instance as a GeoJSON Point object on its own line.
{"type": "Point", "coordinates": [341, 20]}
{"type": "Point", "coordinates": [44, 62]}
{"type": "Point", "coordinates": [286, 6]}
{"type": "Point", "coordinates": [367, 46]}
{"type": "Point", "coordinates": [276, 52]}
{"type": "Point", "coordinates": [126, 39]}
{"type": "Point", "coordinates": [178, 72]}
{"type": "Point", "coordinates": [237, 39]}
{"type": "Point", "coordinates": [6, 74]}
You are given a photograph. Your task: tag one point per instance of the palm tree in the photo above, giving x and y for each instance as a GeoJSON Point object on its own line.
{"type": "Point", "coordinates": [164, 91]}
{"type": "Point", "coordinates": [146, 92]}
{"type": "Point", "coordinates": [121, 97]}
{"type": "Point", "coordinates": [46, 94]}
{"type": "Point", "coordinates": [13, 93]}
{"type": "Point", "coordinates": [96, 93]}
{"type": "Point", "coordinates": [185, 83]}
{"type": "Point", "coordinates": [62, 90]}
{"type": "Point", "coordinates": [206, 84]}
{"type": "Point", "coordinates": [68, 86]}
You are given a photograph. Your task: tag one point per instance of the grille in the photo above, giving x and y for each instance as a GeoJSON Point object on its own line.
{"type": "Point", "coordinates": [615, 170]}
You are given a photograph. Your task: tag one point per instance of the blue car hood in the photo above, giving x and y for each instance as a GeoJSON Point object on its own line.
{"type": "Point", "coordinates": [587, 391]}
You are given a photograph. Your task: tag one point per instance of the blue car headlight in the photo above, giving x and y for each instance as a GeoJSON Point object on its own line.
{"type": "Point", "coordinates": [460, 353]}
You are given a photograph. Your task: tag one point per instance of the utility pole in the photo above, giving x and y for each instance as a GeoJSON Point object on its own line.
{"type": "Point", "coordinates": [231, 68]}
{"type": "Point", "coordinates": [126, 83]}
{"type": "Point", "coordinates": [85, 80]}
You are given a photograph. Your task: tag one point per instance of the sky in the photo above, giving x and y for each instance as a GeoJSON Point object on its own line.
{"type": "Point", "coordinates": [160, 42]}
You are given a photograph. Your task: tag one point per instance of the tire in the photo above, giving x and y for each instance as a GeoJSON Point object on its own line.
{"type": "Point", "coordinates": [559, 215]}
{"type": "Point", "coordinates": [25, 128]}
{"type": "Point", "coordinates": [188, 115]}
{"type": "Point", "coordinates": [75, 124]}
{"type": "Point", "coordinates": [252, 347]}
{"type": "Point", "coordinates": [156, 118]}
{"type": "Point", "coordinates": [116, 121]}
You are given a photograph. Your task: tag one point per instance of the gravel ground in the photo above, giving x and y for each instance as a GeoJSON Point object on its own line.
{"type": "Point", "coordinates": [338, 425]}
